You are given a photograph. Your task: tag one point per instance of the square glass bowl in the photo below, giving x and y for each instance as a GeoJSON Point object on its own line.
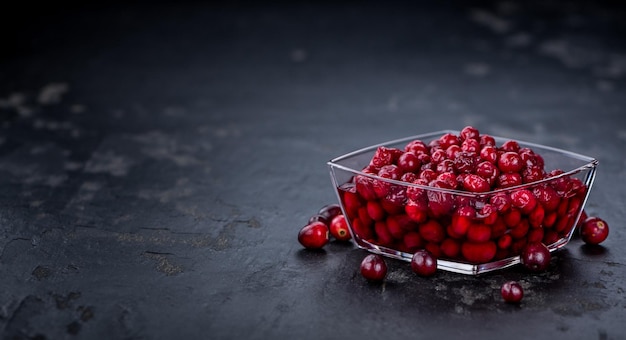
{"type": "Point", "coordinates": [395, 217]}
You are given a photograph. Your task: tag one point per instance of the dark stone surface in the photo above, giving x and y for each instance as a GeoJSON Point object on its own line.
{"type": "Point", "coordinates": [157, 162]}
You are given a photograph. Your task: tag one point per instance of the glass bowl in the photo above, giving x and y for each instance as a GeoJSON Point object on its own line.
{"type": "Point", "coordinates": [469, 232]}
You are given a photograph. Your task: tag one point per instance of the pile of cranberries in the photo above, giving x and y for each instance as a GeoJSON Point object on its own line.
{"type": "Point", "coordinates": [462, 197]}
{"type": "Point", "coordinates": [455, 204]}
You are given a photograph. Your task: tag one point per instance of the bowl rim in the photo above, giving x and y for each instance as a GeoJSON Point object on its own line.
{"type": "Point", "coordinates": [590, 163]}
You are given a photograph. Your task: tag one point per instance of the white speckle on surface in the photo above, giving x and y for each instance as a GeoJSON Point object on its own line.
{"type": "Point", "coordinates": [614, 67]}
{"type": "Point", "coordinates": [110, 163]}
{"type": "Point", "coordinates": [519, 40]}
{"type": "Point", "coordinates": [477, 69]}
{"type": "Point", "coordinates": [570, 55]}
{"type": "Point", "coordinates": [73, 166]}
{"type": "Point", "coordinates": [161, 146]}
{"type": "Point", "coordinates": [298, 55]}
{"type": "Point", "coordinates": [604, 85]}
{"type": "Point", "coordinates": [52, 93]}
{"type": "Point", "coordinates": [621, 134]}
{"type": "Point", "coordinates": [55, 180]}
{"type": "Point", "coordinates": [77, 109]}
{"type": "Point", "coordinates": [490, 20]}
{"type": "Point", "coordinates": [183, 188]}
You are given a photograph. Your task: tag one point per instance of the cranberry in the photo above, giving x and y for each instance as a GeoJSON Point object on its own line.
{"type": "Point", "coordinates": [448, 139]}
{"type": "Point", "coordinates": [314, 235]}
{"type": "Point", "coordinates": [510, 162]}
{"type": "Point", "coordinates": [449, 178]}
{"type": "Point", "coordinates": [365, 187]}
{"type": "Point", "coordinates": [487, 170]}
{"type": "Point", "coordinates": [417, 210]}
{"type": "Point", "coordinates": [385, 156]}
{"type": "Point", "coordinates": [428, 175]}
{"type": "Point", "coordinates": [413, 241]}
{"type": "Point", "coordinates": [501, 202]}
{"type": "Point", "coordinates": [478, 252]}
{"type": "Point", "coordinates": [452, 151]}
{"type": "Point", "coordinates": [524, 200]}
{"type": "Point", "coordinates": [594, 230]}
{"type": "Point", "coordinates": [512, 292]}
{"type": "Point", "coordinates": [382, 233]}
{"type": "Point", "coordinates": [465, 162]}
{"type": "Point", "coordinates": [469, 132]}
{"type": "Point", "coordinates": [375, 210]}
{"type": "Point", "coordinates": [446, 165]}
{"type": "Point", "coordinates": [318, 218]}
{"type": "Point", "coordinates": [432, 231]}
{"type": "Point", "coordinates": [437, 156]}
{"type": "Point", "coordinates": [478, 233]}
{"type": "Point", "coordinates": [408, 162]}
{"type": "Point", "coordinates": [508, 180]}
{"type": "Point", "coordinates": [450, 247]}
{"type": "Point", "coordinates": [423, 263]}
{"type": "Point", "coordinates": [535, 257]}
{"type": "Point", "coordinates": [339, 228]}
{"type": "Point", "coordinates": [471, 146]}
{"type": "Point", "coordinates": [510, 145]}
{"type": "Point", "coordinates": [374, 268]}
{"type": "Point", "coordinates": [462, 219]}
{"type": "Point", "coordinates": [532, 174]}
{"type": "Point", "coordinates": [475, 183]}
{"type": "Point", "coordinates": [417, 147]}
{"type": "Point", "coordinates": [547, 196]}
{"type": "Point", "coordinates": [487, 140]}
{"type": "Point", "coordinates": [362, 230]}
{"type": "Point", "coordinates": [489, 154]}
{"type": "Point", "coordinates": [409, 177]}
{"type": "Point", "coordinates": [440, 202]}
{"type": "Point", "coordinates": [329, 211]}
{"type": "Point", "coordinates": [488, 214]}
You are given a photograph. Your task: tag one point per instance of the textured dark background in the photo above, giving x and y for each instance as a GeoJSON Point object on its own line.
{"type": "Point", "coordinates": [157, 161]}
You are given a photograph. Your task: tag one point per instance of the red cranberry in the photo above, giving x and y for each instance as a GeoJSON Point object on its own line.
{"type": "Point", "coordinates": [594, 230]}
{"type": "Point", "coordinates": [475, 183]}
{"type": "Point", "coordinates": [423, 263]}
{"type": "Point", "coordinates": [412, 241]}
{"type": "Point", "coordinates": [469, 132]}
{"type": "Point", "coordinates": [512, 292]}
{"type": "Point", "coordinates": [428, 175]}
{"type": "Point", "coordinates": [417, 147]}
{"type": "Point", "coordinates": [416, 210]}
{"type": "Point", "coordinates": [478, 233]}
{"type": "Point", "coordinates": [365, 187]}
{"type": "Point", "coordinates": [547, 196]}
{"type": "Point", "coordinates": [329, 211]}
{"type": "Point", "coordinates": [439, 202]}
{"type": "Point", "coordinates": [432, 231]}
{"type": "Point", "coordinates": [452, 151]}
{"type": "Point", "coordinates": [462, 219]}
{"type": "Point", "coordinates": [450, 248]}
{"type": "Point", "coordinates": [471, 146]}
{"type": "Point", "coordinates": [408, 177]}
{"type": "Point", "coordinates": [362, 230]}
{"type": "Point", "coordinates": [487, 140]}
{"type": "Point", "coordinates": [489, 153]}
{"type": "Point", "coordinates": [314, 235]}
{"type": "Point", "coordinates": [408, 162]}
{"type": "Point", "coordinates": [375, 210]}
{"type": "Point", "coordinates": [501, 202]}
{"type": "Point", "coordinates": [532, 174]}
{"type": "Point", "coordinates": [524, 200]}
{"type": "Point", "coordinates": [374, 268]}
{"type": "Point", "coordinates": [536, 217]}
{"type": "Point", "coordinates": [448, 139]}
{"type": "Point", "coordinates": [488, 214]}
{"type": "Point", "coordinates": [508, 180]}
{"type": "Point", "coordinates": [417, 193]}
{"type": "Point", "coordinates": [383, 156]}
{"type": "Point", "coordinates": [465, 162]}
{"type": "Point", "coordinates": [318, 218]}
{"type": "Point", "coordinates": [437, 156]}
{"type": "Point", "coordinates": [536, 257]}
{"type": "Point", "coordinates": [446, 165]}
{"type": "Point", "coordinates": [382, 233]}
{"type": "Point", "coordinates": [510, 145]}
{"type": "Point", "coordinates": [487, 170]}
{"type": "Point", "coordinates": [449, 178]}
{"type": "Point", "coordinates": [510, 162]}
{"type": "Point", "coordinates": [479, 252]}
{"type": "Point", "coordinates": [339, 228]}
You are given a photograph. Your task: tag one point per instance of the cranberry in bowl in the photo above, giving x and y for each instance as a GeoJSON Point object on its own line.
{"type": "Point", "coordinates": [472, 200]}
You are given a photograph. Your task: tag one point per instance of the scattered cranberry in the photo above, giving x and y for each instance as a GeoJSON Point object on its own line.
{"type": "Point", "coordinates": [536, 257]}
{"type": "Point", "coordinates": [318, 218]}
{"type": "Point", "coordinates": [423, 263]}
{"type": "Point", "coordinates": [329, 211]}
{"type": "Point", "coordinates": [339, 228]}
{"type": "Point", "coordinates": [373, 267]}
{"type": "Point", "coordinates": [594, 230]}
{"type": "Point", "coordinates": [314, 235]}
{"type": "Point", "coordinates": [512, 292]}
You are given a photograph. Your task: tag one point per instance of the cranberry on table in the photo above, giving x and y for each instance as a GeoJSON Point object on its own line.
{"type": "Point", "coordinates": [329, 211]}
{"type": "Point", "coordinates": [594, 230]}
{"type": "Point", "coordinates": [512, 292]}
{"type": "Point", "coordinates": [339, 228]}
{"type": "Point", "coordinates": [314, 235]}
{"type": "Point", "coordinates": [373, 267]}
{"type": "Point", "coordinates": [536, 257]}
{"type": "Point", "coordinates": [423, 263]}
